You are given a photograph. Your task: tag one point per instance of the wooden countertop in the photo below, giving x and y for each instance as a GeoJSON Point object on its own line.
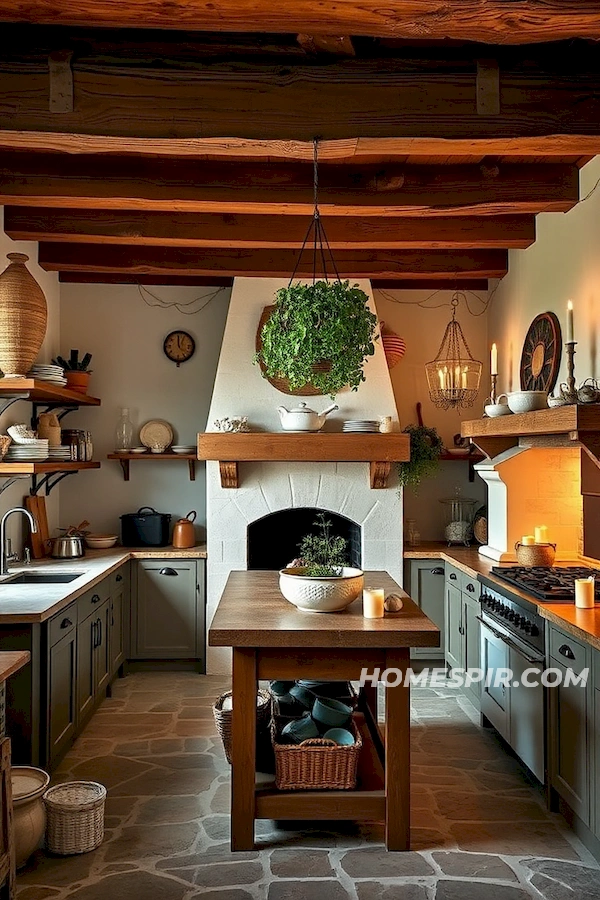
{"type": "Point", "coordinates": [253, 613]}
{"type": "Point", "coordinates": [467, 559]}
{"type": "Point", "coordinates": [11, 661]}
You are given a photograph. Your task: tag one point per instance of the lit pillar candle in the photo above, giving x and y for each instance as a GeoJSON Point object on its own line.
{"type": "Point", "coordinates": [373, 600]}
{"type": "Point", "coordinates": [570, 337]}
{"type": "Point", "coordinates": [528, 540]}
{"type": "Point", "coordinates": [584, 592]}
{"type": "Point", "coordinates": [541, 534]}
{"type": "Point", "coordinates": [494, 360]}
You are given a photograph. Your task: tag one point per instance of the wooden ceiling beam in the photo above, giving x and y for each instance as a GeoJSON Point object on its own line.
{"type": "Point", "coordinates": [190, 261]}
{"type": "Point", "coordinates": [326, 44]}
{"type": "Point", "coordinates": [491, 21]}
{"type": "Point", "coordinates": [166, 229]}
{"type": "Point", "coordinates": [98, 182]}
{"type": "Point", "coordinates": [422, 284]}
{"type": "Point", "coordinates": [381, 98]}
{"type": "Point", "coordinates": [125, 278]}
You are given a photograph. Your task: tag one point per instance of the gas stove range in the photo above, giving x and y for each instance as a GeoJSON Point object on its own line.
{"type": "Point", "coordinates": [552, 584]}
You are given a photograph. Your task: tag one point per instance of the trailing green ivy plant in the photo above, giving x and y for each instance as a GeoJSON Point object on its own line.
{"type": "Point", "coordinates": [426, 448]}
{"type": "Point", "coordinates": [327, 321]}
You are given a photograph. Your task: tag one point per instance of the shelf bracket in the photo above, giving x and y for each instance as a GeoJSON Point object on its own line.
{"type": "Point", "coordinates": [192, 468]}
{"type": "Point", "coordinates": [47, 482]}
{"type": "Point", "coordinates": [8, 402]}
{"type": "Point", "coordinates": [10, 481]}
{"type": "Point", "coordinates": [124, 463]}
{"type": "Point", "coordinates": [50, 407]}
{"type": "Point", "coordinates": [230, 476]}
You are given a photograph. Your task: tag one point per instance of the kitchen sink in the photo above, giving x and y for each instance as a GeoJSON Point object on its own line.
{"type": "Point", "coordinates": [43, 578]}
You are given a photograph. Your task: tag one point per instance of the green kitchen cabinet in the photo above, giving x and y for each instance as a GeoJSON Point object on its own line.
{"type": "Point", "coordinates": [61, 675]}
{"type": "Point", "coordinates": [168, 610]}
{"type": "Point", "coordinates": [424, 581]}
{"type": "Point", "coordinates": [462, 608]}
{"type": "Point", "coordinates": [119, 625]}
{"type": "Point", "coordinates": [93, 658]}
{"type": "Point", "coordinates": [454, 631]}
{"type": "Point", "coordinates": [471, 637]}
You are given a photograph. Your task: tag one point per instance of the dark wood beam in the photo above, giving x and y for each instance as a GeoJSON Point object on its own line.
{"type": "Point", "coordinates": [382, 98]}
{"type": "Point", "coordinates": [430, 264]}
{"type": "Point", "coordinates": [125, 278]}
{"type": "Point", "coordinates": [422, 284]}
{"type": "Point", "coordinates": [491, 21]}
{"type": "Point", "coordinates": [98, 182]}
{"type": "Point", "coordinates": [166, 229]}
{"type": "Point", "coordinates": [326, 44]}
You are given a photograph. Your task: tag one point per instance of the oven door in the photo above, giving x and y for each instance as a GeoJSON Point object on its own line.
{"type": "Point", "coordinates": [494, 695]}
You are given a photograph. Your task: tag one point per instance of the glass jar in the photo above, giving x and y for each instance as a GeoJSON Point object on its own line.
{"type": "Point", "coordinates": [123, 431]}
{"type": "Point", "coordinates": [459, 512]}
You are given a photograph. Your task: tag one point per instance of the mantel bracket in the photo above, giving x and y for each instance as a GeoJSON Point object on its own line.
{"type": "Point", "coordinates": [48, 482]}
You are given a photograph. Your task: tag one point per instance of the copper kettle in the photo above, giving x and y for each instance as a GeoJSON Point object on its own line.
{"type": "Point", "coordinates": [184, 535]}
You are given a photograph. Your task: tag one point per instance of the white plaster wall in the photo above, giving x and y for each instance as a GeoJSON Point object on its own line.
{"type": "Point", "coordinates": [130, 369]}
{"type": "Point", "coordinates": [268, 487]}
{"type": "Point", "coordinates": [21, 412]}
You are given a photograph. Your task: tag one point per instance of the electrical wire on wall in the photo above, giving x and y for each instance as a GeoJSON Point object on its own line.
{"type": "Point", "coordinates": [187, 308]}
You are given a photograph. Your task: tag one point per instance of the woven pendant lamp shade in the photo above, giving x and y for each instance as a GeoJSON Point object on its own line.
{"type": "Point", "coordinates": [394, 346]}
{"type": "Point", "coordinates": [23, 317]}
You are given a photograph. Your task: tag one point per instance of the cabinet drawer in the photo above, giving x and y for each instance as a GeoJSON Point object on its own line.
{"type": "Point", "coordinates": [470, 586]}
{"type": "Point", "coordinates": [62, 624]}
{"type": "Point", "coordinates": [93, 599]}
{"type": "Point", "coordinates": [567, 651]}
{"type": "Point", "coordinates": [453, 576]}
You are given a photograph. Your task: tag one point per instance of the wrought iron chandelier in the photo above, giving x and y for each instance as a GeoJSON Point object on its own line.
{"type": "Point", "coordinates": [453, 376]}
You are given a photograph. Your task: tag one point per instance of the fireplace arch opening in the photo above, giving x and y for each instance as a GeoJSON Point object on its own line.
{"type": "Point", "coordinates": [273, 541]}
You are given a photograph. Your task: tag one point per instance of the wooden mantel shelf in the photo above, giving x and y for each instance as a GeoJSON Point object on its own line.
{"type": "Point", "coordinates": [379, 450]}
{"type": "Point", "coordinates": [561, 426]}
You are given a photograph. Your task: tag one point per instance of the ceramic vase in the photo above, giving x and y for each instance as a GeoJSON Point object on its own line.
{"type": "Point", "coordinates": [23, 317]}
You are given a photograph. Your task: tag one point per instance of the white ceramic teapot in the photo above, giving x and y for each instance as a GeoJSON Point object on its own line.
{"type": "Point", "coordinates": [302, 418]}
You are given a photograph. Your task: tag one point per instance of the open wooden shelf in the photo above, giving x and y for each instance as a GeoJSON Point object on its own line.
{"type": "Point", "coordinates": [43, 392]}
{"type": "Point", "coordinates": [126, 458]}
{"type": "Point", "coordinates": [470, 458]}
{"type": "Point", "coordinates": [379, 450]}
{"type": "Point", "coordinates": [566, 425]}
{"type": "Point", "coordinates": [44, 468]}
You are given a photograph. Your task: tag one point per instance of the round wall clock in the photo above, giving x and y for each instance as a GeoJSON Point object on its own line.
{"type": "Point", "coordinates": [542, 351]}
{"type": "Point", "coordinates": [179, 346]}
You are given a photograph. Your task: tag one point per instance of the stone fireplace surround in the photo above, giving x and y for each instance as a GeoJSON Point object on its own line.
{"type": "Point", "coordinates": [267, 487]}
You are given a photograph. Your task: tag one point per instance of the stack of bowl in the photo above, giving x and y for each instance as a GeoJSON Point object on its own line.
{"type": "Point", "coordinates": [314, 709]}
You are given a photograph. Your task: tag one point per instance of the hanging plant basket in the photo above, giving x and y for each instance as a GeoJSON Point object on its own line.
{"type": "Point", "coordinates": [282, 384]}
{"type": "Point", "coordinates": [318, 334]}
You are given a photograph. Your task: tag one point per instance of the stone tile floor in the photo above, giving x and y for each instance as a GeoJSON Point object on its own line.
{"type": "Point", "coordinates": [479, 826]}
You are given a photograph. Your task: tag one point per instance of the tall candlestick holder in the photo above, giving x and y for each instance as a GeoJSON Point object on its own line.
{"type": "Point", "coordinates": [570, 394]}
{"type": "Point", "coordinates": [493, 396]}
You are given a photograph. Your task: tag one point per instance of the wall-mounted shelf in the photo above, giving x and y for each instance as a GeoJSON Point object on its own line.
{"type": "Point", "coordinates": [126, 458]}
{"type": "Point", "coordinates": [379, 450]}
{"type": "Point", "coordinates": [41, 393]}
{"type": "Point", "coordinates": [51, 473]}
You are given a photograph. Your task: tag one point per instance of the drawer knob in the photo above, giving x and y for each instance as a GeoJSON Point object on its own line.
{"type": "Point", "coordinates": [453, 576]}
{"type": "Point", "coordinates": [66, 623]}
{"type": "Point", "coordinates": [565, 650]}
{"type": "Point", "coordinates": [437, 571]}
{"type": "Point", "coordinates": [471, 588]}
{"type": "Point", "coordinates": [96, 598]}
{"type": "Point", "coordinates": [167, 570]}
{"type": "Point", "coordinates": [119, 578]}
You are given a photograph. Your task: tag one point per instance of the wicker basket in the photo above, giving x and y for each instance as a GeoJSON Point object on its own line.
{"type": "Point", "coordinates": [23, 317]}
{"type": "Point", "coordinates": [282, 384]}
{"type": "Point", "coordinates": [224, 718]}
{"type": "Point", "coordinates": [315, 764]}
{"type": "Point", "coordinates": [75, 813]}
{"type": "Point", "coordinates": [535, 554]}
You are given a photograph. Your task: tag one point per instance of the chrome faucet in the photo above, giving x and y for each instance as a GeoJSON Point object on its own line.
{"type": "Point", "coordinates": [3, 555]}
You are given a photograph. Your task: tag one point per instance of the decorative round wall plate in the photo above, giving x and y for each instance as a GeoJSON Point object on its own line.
{"type": "Point", "coordinates": [156, 433]}
{"type": "Point", "coordinates": [541, 355]}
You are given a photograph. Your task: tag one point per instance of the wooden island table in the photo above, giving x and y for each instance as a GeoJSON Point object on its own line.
{"type": "Point", "coordinates": [271, 639]}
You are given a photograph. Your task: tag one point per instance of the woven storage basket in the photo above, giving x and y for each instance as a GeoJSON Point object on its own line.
{"type": "Point", "coordinates": [315, 764]}
{"type": "Point", "coordinates": [535, 554]}
{"type": "Point", "coordinates": [224, 718]}
{"type": "Point", "coordinates": [75, 812]}
{"type": "Point", "coordinates": [23, 317]}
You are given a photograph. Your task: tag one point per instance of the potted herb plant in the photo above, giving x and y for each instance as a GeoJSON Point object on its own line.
{"type": "Point", "coordinates": [318, 334]}
{"type": "Point", "coordinates": [320, 580]}
{"type": "Point", "coordinates": [426, 448]}
{"type": "Point", "coordinates": [77, 372]}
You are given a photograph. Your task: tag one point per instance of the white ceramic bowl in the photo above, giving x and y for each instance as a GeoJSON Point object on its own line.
{"type": "Point", "coordinates": [527, 401]}
{"type": "Point", "coordinates": [497, 409]}
{"type": "Point", "coordinates": [100, 541]}
{"type": "Point", "coordinates": [321, 594]}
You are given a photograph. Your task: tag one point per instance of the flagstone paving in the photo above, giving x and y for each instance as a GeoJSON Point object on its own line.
{"type": "Point", "coordinates": [480, 828]}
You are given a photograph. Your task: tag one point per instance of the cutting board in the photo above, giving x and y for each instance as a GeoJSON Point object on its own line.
{"type": "Point", "coordinates": [40, 540]}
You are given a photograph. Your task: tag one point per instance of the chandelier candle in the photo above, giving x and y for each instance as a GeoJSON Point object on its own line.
{"type": "Point", "coordinates": [453, 376]}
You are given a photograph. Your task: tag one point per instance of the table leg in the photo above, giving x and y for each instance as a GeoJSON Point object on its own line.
{"type": "Point", "coordinates": [243, 748]}
{"type": "Point", "coordinates": [397, 755]}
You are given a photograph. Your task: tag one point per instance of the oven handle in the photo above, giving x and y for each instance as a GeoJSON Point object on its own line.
{"type": "Point", "coordinates": [502, 637]}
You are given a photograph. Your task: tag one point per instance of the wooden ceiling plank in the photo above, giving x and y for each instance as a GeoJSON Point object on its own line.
{"type": "Point", "coordinates": [423, 284]}
{"type": "Point", "coordinates": [125, 278]}
{"type": "Point", "coordinates": [135, 228]}
{"type": "Point", "coordinates": [54, 257]}
{"type": "Point", "coordinates": [327, 44]}
{"type": "Point", "coordinates": [490, 21]}
{"type": "Point", "coordinates": [283, 189]}
{"type": "Point", "coordinates": [371, 98]}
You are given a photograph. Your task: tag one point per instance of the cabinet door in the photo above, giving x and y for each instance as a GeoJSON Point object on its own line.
{"type": "Point", "coordinates": [86, 640]}
{"type": "Point", "coordinates": [527, 714]}
{"type": "Point", "coordinates": [495, 696]}
{"type": "Point", "coordinates": [472, 642]}
{"type": "Point", "coordinates": [62, 696]}
{"type": "Point", "coordinates": [569, 770]}
{"type": "Point", "coordinates": [166, 610]}
{"type": "Point", "coordinates": [102, 650]}
{"type": "Point", "coordinates": [426, 587]}
{"type": "Point", "coordinates": [454, 628]}
{"type": "Point", "coordinates": [116, 640]}
{"type": "Point", "coordinates": [596, 763]}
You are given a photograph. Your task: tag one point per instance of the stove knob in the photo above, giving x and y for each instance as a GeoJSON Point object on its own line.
{"type": "Point", "coordinates": [527, 626]}
{"type": "Point", "coordinates": [519, 621]}
{"type": "Point", "coordinates": [534, 630]}
{"type": "Point", "coordinates": [511, 616]}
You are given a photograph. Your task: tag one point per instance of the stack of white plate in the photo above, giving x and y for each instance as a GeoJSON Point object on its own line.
{"type": "Point", "coordinates": [360, 426]}
{"type": "Point", "coordinates": [43, 372]}
{"type": "Point", "coordinates": [34, 451]}
{"type": "Point", "coordinates": [180, 448]}
{"type": "Point", "coordinates": [57, 454]}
